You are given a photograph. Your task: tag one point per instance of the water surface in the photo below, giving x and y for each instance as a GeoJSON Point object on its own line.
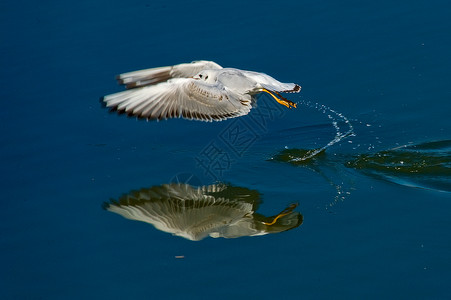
{"type": "Point", "coordinates": [372, 228]}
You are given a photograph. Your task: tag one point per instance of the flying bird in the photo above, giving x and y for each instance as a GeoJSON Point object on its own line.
{"type": "Point", "coordinates": [201, 90]}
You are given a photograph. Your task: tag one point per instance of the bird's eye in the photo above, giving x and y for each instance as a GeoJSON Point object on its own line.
{"type": "Point", "coordinates": [200, 75]}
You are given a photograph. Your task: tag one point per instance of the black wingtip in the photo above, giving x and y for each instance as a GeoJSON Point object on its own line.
{"type": "Point", "coordinates": [113, 109]}
{"type": "Point", "coordinates": [119, 79]}
{"type": "Point", "coordinates": [105, 205]}
{"type": "Point", "coordinates": [296, 89]}
{"type": "Point", "coordinates": [102, 102]}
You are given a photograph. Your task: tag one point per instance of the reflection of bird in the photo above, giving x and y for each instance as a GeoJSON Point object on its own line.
{"type": "Point", "coordinates": [200, 90]}
{"type": "Point", "coordinates": [194, 213]}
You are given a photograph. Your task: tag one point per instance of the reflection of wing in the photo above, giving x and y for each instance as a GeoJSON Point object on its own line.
{"type": "Point", "coordinates": [156, 75]}
{"type": "Point", "coordinates": [181, 97]}
{"type": "Point", "coordinates": [182, 210]}
{"type": "Point", "coordinates": [195, 213]}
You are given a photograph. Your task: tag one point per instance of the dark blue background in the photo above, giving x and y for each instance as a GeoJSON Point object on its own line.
{"type": "Point", "coordinates": [385, 65]}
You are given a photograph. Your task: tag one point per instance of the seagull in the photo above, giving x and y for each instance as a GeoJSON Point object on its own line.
{"type": "Point", "coordinates": [200, 90]}
{"type": "Point", "coordinates": [194, 213]}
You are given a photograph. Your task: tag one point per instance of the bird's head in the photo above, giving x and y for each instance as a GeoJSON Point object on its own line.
{"type": "Point", "coordinates": [208, 76]}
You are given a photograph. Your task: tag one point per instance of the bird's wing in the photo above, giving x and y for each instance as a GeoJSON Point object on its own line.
{"type": "Point", "coordinates": [155, 75]}
{"type": "Point", "coordinates": [181, 209]}
{"type": "Point", "coordinates": [181, 97]}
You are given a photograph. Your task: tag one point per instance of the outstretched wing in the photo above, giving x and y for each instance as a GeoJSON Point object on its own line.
{"type": "Point", "coordinates": [155, 75]}
{"type": "Point", "coordinates": [181, 97]}
{"type": "Point", "coordinates": [183, 210]}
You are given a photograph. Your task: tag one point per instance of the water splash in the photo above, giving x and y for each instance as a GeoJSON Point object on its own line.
{"type": "Point", "coordinates": [316, 159]}
{"type": "Point", "coordinates": [335, 117]}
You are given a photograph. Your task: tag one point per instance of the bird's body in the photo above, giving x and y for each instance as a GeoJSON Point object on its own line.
{"type": "Point", "coordinates": [200, 90]}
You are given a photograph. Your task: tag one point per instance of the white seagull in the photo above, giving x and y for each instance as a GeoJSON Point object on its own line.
{"type": "Point", "coordinates": [195, 213]}
{"type": "Point", "coordinates": [201, 90]}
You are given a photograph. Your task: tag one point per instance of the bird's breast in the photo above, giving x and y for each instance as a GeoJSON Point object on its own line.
{"type": "Point", "coordinates": [196, 91]}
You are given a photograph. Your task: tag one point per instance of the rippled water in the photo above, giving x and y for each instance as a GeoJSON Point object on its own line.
{"type": "Point", "coordinates": [426, 165]}
{"type": "Point", "coordinates": [94, 203]}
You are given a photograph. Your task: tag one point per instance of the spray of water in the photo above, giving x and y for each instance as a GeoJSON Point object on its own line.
{"type": "Point", "coordinates": [335, 117]}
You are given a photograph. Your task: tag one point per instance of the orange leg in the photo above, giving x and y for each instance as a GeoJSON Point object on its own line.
{"type": "Point", "coordinates": [285, 212]}
{"type": "Point", "coordinates": [281, 100]}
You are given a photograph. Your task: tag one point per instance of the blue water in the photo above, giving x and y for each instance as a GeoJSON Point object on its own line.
{"type": "Point", "coordinates": [383, 65]}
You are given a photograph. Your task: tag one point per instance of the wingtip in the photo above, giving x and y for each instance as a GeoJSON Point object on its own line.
{"type": "Point", "coordinates": [296, 89]}
{"type": "Point", "coordinates": [102, 101]}
{"type": "Point", "coordinates": [119, 79]}
{"type": "Point", "coordinates": [105, 205]}
{"type": "Point", "coordinates": [111, 109]}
